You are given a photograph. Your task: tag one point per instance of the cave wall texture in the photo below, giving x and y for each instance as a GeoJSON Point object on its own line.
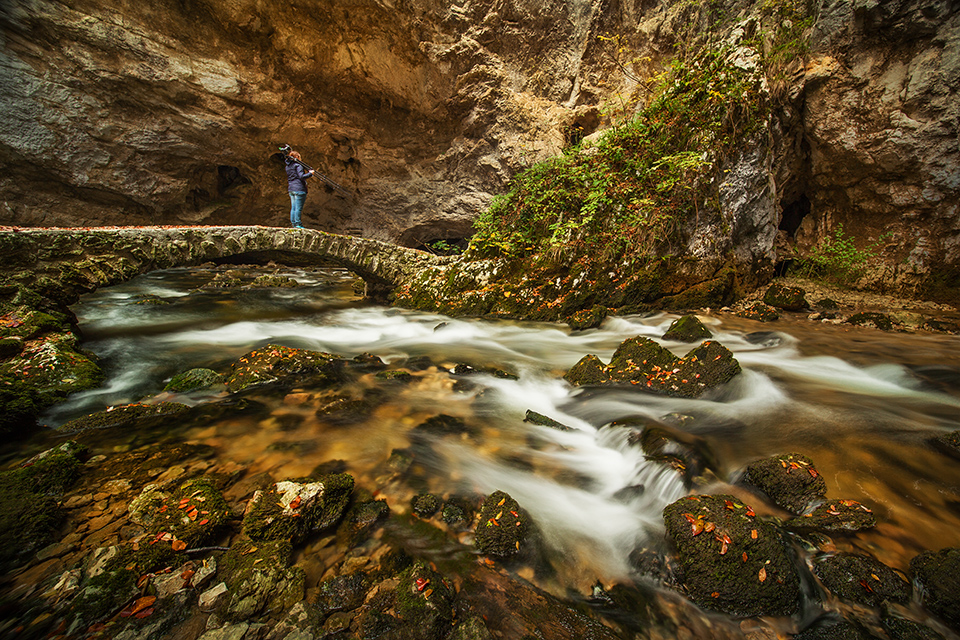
{"type": "Point", "coordinates": [170, 112]}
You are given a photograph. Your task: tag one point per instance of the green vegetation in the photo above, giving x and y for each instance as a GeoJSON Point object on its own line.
{"type": "Point", "coordinates": [837, 259]}
{"type": "Point", "coordinates": [628, 195]}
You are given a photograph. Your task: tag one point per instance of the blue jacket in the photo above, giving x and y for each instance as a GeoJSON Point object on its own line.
{"type": "Point", "coordinates": [296, 176]}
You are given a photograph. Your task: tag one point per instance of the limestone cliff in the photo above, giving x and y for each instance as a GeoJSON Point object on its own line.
{"type": "Point", "coordinates": [170, 112]}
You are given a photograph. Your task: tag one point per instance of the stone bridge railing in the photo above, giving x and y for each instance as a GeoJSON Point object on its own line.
{"type": "Point", "coordinates": [60, 264]}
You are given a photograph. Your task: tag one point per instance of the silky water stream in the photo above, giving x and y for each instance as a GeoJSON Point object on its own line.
{"type": "Point", "coordinates": [862, 404]}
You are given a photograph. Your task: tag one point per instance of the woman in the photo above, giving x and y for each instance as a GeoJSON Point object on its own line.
{"type": "Point", "coordinates": [297, 186]}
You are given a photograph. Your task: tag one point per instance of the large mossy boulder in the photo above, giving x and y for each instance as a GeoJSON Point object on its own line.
{"type": "Point", "coordinates": [786, 298]}
{"type": "Point", "coordinates": [259, 579]}
{"type": "Point", "coordinates": [642, 362]}
{"type": "Point", "coordinates": [730, 560]}
{"type": "Point", "coordinates": [290, 510]}
{"type": "Point", "coordinates": [424, 603]}
{"type": "Point", "coordinates": [790, 480]}
{"type": "Point", "coordinates": [938, 573]}
{"type": "Point", "coordinates": [503, 526]}
{"type": "Point", "coordinates": [687, 328]}
{"type": "Point", "coordinates": [862, 579]}
{"type": "Point", "coordinates": [275, 362]}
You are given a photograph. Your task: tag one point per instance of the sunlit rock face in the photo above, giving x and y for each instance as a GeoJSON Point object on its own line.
{"type": "Point", "coordinates": [128, 112]}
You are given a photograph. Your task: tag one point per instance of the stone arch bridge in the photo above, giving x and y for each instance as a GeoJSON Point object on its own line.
{"type": "Point", "coordinates": [62, 263]}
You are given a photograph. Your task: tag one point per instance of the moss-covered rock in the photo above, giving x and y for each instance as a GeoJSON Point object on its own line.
{"type": "Point", "coordinates": [861, 579]}
{"type": "Point", "coordinates": [832, 629]}
{"type": "Point", "coordinates": [588, 318]}
{"type": "Point", "coordinates": [193, 380]}
{"type": "Point", "coordinates": [760, 312]}
{"type": "Point", "coordinates": [948, 443]}
{"type": "Point", "coordinates": [730, 560]}
{"type": "Point", "coordinates": [143, 415]}
{"type": "Point", "coordinates": [688, 454]}
{"type": "Point", "coordinates": [425, 504]}
{"type": "Point", "coordinates": [424, 602]}
{"type": "Point", "coordinates": [10, 347]}
{"type": "Point", "coordinates": [29, 509]}
{"type": "Point", "coordinates": [589, 370]}
{"type": "Point", "coordinates": [789, 480]}
{"type": "Point", "coordinates": [538, 418]}
{"type": "Point", "coordinates": [787, 298]}
{"type": "Point", "coordinates": [290, 510]}
{"type": "Point", "coordinates": [192, 515]}
{"type": "Point", "coordinates": [902, 629]}
{"type": "Point", "coordinates": [687, 328]}
{"type": "Point", "coordinates": [274, 280]}
{"type": "Point", "coordinates": [341, 593]}
{"type": "Point", "coordinates": [275, 362]}
{"type": "Point", "coordinates": [503, 526]}
{"type": "Point", "coordinates": [835, 516]}
{"type": "Point", "coordinates": [260, 579]}
{"type": "Point", "coordinates": [641, 361]}
{"type": "Point", "coordinates": [869, 319]}
{"type": "Point", "coordinates": [938, 573]}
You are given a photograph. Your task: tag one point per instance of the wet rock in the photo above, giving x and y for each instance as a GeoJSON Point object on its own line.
{"type": "Point", "coordinates": [471, 629]}
{"type": "Point", "coordinates": [194, 380]}
{"type": "Point", "coordinates": [10, 347]}
{"type": "Point", "coordinates": [290, 510]}
{"type": "Point", "coordinates": [503, 526]}
{"type": "Point", "coordinates": [760, 312]}
{"type": "Point", "coordinates": [767, 339]}
{"type": "Point", "coordinates": [439, 426]}
{"type": "Point", "coordinates": [425, 504]}
{"type": "Point", "coordinates": [214, 597]}
{"type": "Point", "coordinates": [688, 454]}
{"type": "Point", "coordinates": [360, 522]}
{"type": "Point", "coordinates": [786, 298]}
{"type": "Point", "coordinates": [260, 578]}
{"type": "Point", "coordinates": [236, 631]}
{"type": "Point", "coordinates": [455, 511]}
{"type": "Point", "coordinates": [344, 409]}
{"type": "Point", "coordinates": [538, 418]}
{"type": "Point", "coordinates": [861, 579]}
{"type": "Point", "coordinates": [687, 328]}
{"type": "Point", "coordinates": [143, 415]}
{"type": "Point", "coordinates": [938, 573]}
{"type": "Point", "coordinates": [464, 369]}
{"type": "Point", "coordinates": [587, 318]}
{"type": "Point", "coordinates": [826, 304]}
{"type": "Point", "coordinates": [902, 629]}
{"type": "Point", "coordinates": [654, 564]}
{"type": "Point", "coordinates": [641, 361]}
{"type": "Point", "coordinates": [532, 613]}
{"type": "Point", "coordinates": [341, 593]}
{"type": "Point", "coordinates": [227, 280]}
{"type": "Point", "coordinates": [395, 375]}
{"type": "Point", "coordinates": [275, 362]}
{"type": "Point", "coordinates": [834, 630]}
{"type": "Point", "coordinates": [789, 480]}
{"type": "Point", "coordinates": [835, 516]}
{"type": "Point", "coordinates": [367, 362]}
{"type": "Point", "coordinates": [948, 443]}
{"type": "Point", "coordinates": [941, 326]}
{"type": "Point", "coordinates": [731, 561]}
{"type": "Point", "coordinates": [869, 319]}
{"type": "Point", "coordinates": [424, 602]}
{"type": "Point", "coordinates": [150, 299]}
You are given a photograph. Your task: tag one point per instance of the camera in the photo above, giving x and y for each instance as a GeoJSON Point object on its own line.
{"type": "Point", "coordinates": [285, 150]}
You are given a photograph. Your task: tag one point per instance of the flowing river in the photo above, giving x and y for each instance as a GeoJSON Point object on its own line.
{"type": "Point", "coordinates": [861, 403]}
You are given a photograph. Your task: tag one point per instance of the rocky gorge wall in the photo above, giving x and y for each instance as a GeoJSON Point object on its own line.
{"type": "Point", "coordinates": [119, 112]}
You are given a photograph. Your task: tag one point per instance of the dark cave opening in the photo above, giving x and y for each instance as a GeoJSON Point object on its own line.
{"type": "Point", "coordinates": [793, 214]}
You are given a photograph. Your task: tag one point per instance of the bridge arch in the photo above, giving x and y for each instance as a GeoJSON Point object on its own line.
{"type": "Point", "coordinates": [60, 264]}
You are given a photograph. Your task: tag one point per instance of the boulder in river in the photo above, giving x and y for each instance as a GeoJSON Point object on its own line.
{"type": "Point", "coordinates": [289, 510]}
{"type": "Point", "coordinates": [730, 560]}
{"type": "Point", "coordinates": [760, 311]}
{"type": "Point", "coordinates": [274, 362]}
{"type": "Point", "coordinates": [948, 443]}
{"type": "Point", "coordinates": [869, 319]}
{"type": "Point", "coordinates": [143, 415]}
{"type": "Point", "coordinates": [194, 380]}
{"type": "Point", "coordinates": [687, 328]}
{"type": "Point", "coordinates": [862, 579]}
{"type": "Point", "coordinates": [503, 526]}
{"type": "Point", "coordinates": [191, 516]}
{"type": "Point", "coordinates": [790, 480]}
{"type": "Point", "coordinates": [642, 362]}
{"type": "Point", "coordinates": [588, 318]}
{"type": "Point", "coordinates": [938, 573]}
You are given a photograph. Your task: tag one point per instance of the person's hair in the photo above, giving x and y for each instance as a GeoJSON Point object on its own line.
{"type": "Point", "coordinates": [295, 155]}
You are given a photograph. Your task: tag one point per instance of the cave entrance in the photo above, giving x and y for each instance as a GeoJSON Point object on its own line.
{"type": "Point", "coordinates": [793, 214]}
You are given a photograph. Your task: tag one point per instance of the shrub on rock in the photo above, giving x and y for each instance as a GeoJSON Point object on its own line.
{"type": "Point", "coordinates": [730, 560]}
{"type": "Point", "coordinates": [789, 480]}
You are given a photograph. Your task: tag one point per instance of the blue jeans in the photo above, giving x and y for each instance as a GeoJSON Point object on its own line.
{"type": "Point", "coordinates": [297, 198]}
